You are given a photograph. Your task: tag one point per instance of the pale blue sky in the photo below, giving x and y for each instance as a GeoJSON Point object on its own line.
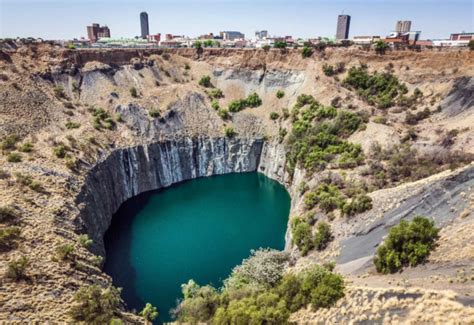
{"type": "Point", "coordinates": [66, 19]}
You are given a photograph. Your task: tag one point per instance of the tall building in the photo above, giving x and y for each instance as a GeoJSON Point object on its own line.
{"type": "Point", "coordinates": [343, 25]}
{"type": "Point", "coordinates": [144, 25]}
{"type": "Point", "coordinates": [96, 31]}
{"type": "Point", "coordinates": [403, 26]}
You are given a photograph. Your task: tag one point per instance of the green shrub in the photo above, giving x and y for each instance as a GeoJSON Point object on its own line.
{"type": "Point", "coordinates": [187, 66]}
{"type": "Point", "coordinates": [215, 105]}
{"type": "Point", "coordinates": [251, 304]}
{"type": "Point", "coordinates": [282, 132]}
{"type": "Point", "coordinates": [205, 81]}
{"type": "Point", "coordinates": [237, 105]}
{"type": "Point", "coordinates": [71, 163]}
{"type": "Point", "coordinates": [133, 92]}
{"type": "Point", "coordinates": [9, 142]}
{"type": "Point", "coordinates": [119, 118]}
{"type": "Point", "coordinates": [59, 92]}
{"type": "Point", "coordinates": [379, 89]}
{"type": "Point", "coordinates": [328, 70]}
{"type": "Point", "coordinates": [9, 237]}
{"type": "Point", "coordinates": [22, 179]}
{"type": "Point", "coordinates": [154, 112]}
{"type": "Point", "coordinates": [85, 241]}
{"type": "Point", "coordinates": [14, 157]}
{"type": "Point", "coordinates": [408, 243]}
{"type": "Point", "coordinates": [274, 115]}
{"type": "Point", "coordinates": [306, 52]}
{"type": "Point", "coordinates": [26, 147]}
{"type": "Point", "coordinates": [149, 313]}
{"type": "Point", "coordinates": [197, 45]}
{"type": "Point", "coordinates": [328, 291]}
{"type": "Point", "coordinates": [16, 269]}
{"type": "Point", "coordinates": [72, 125]}
{"type": "Point", "coordinates": [60, 150]}
{"type": "Point", "coordinates": [253, 100]}
{"type": "Point", "coordinates": [215, 93]}
{"type": "Point", "coordinates": [301, 235]}
{"type": "Point", "coordinates": [280, 45]}
{"type": "Point", "coordinates": [229, 132]}
{"type": "Point", "coordinates": [280, 94]}
{"type": "Point", "coordinates": [94, 305]}
{"type": "Point", "coordinates": [65, 252]}
{"type": "Point", "coordinates": [380, 47]}
{"type": "Point", "coordinates": [8, 214]}
{"type": "Point", "coordinates": [223, 113]}
{"type": "Point", "coordinates": [323, 236]}
{"type": "Point", "coordinates": [102, 119]}
{"type": "Point", "coordinates": [358, 204]}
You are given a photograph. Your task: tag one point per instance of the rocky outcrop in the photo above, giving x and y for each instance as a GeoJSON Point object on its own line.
{"type": "Point", "coordinates": [128, 172]}
{"type": "Point", "coordinates": [461, 97]}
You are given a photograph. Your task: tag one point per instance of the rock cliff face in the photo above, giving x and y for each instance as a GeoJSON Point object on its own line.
{"type": "Point", "coordinates": [128, 172]}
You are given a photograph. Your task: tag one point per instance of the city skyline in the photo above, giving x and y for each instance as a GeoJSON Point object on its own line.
{"type": "Point", "coordinates": [299, 18]}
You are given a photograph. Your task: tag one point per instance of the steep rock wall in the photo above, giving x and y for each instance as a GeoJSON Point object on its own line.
{"type": "Point", "coordinates": [128, 172]}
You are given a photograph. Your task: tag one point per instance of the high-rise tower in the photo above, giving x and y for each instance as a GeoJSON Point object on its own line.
{"type": "Point", "coordinates": [144, 25]}
{"type": "Point", "coordinates": [343, 24]}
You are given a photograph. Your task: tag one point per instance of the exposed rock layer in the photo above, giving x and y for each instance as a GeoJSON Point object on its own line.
{"type": "Point", "coordinates": [128, 172]}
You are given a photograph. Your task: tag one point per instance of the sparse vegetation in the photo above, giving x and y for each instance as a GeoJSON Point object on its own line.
{"type": "Point", "coordinates": [9, 142]}
{"type": "Point", "coordinates": [95, 305]}
{"type": "Point", "coordinates": [9, 237]}
{"type": "Point", "coordinates": [65, 252]}
{"type": "Point", "coordinates": [85, 241]}
{"type": "Point", "coordinates": [280, 94]}
{"type": "Point", "coordinates": [16, 269]}
{"type": "Point", "coordinates": [205, 81]}
{"type": "Point", "coordinates": [274, 116]}
{"type": "Point", "coordinates": [72, 125]}
{"type": "Point", "coordinates": [14, 157]}
{"type": "Point", "coordinates": [8, 214]}
{"type": "Point", "coordinates": [154, 112]}
{"type": "Point", "coordinates": [26, 147]}
{"type": "Point", "coordinates": [59, 92]}
{"type": "Point", "coordinates": [408, 243]}
{"type": "Point", "coordinates": [229, 132]}
{"type": "Point", "coordinates": [149, 313]}
{"type": "Point", "coordinates": [215, 93]}
{"type": "Point", "coordinates": [60, 150]}
{"type": "Point", "coordinates": [215, 105]}
{"type": "Point", "coordinates": [223, 113]}
{"type": "Point", "coordinates": [102, 119]}
{"type": "Point", "coordinates": [133, 92]}
{"type": "Point", "coordinates": [306, 52]}
{"type": "Point", "coordinates": [252, 100]}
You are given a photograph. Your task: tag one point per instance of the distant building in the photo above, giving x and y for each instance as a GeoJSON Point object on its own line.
{"type": "Point", "coordinates": [403, 26]}
{"type": "Point", "coordinates": [231, 35]}
{"type": "Point", "coordinates": [96, 31]}
{"type": "Point", "coordinates": [361, 40]}
{"type": "Point", "coordinates": [403, 38]}
{"type": "Point", "coordinates": [261, 34]}
{"type": "Point", "coordinates": [206, 36]}
{"type": "Point", "coordinates": [154, 38]}
{"type": "Point", "coordinates": [144, 25]}
{"type": "Point", "coordinates": [462, 37]}
{"type": "Point", "coordinates": [343, 25]}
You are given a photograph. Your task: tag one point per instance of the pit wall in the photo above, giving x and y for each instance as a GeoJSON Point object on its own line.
{"type": "Point", "coordinates": [128, 172]}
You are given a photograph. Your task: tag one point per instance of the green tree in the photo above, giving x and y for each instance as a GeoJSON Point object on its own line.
{"type": "Point", "coordinates": [301, 235]}
{"type": "Point", "coordinates": [95, 305]}
{"type": "Point", "coordinates": [408, 243]}
{"type": "Point", "coordinates": [306, 52]}
{"type": "Point", "coordinates": [149, 313]}
{"type": "Point", "coordinates": [323, 236]}
{"type": "Point", "coordinates": [197, 45]}
{"type": "Point", "coordinates": [280, 94]}
{"type": "Point", "coordinates": [380, 47]}
{"type": "Point", "coordinates": [280, 45]}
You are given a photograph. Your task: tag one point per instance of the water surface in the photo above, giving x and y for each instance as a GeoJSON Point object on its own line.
{"type": "Point", "coordinates": [198, 229]}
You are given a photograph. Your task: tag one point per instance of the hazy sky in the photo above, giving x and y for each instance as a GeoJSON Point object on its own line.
{"type": "Point", "coordinates": [66, 19]}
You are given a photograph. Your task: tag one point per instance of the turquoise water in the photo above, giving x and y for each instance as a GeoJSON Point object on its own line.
{"type": "Point", "coordinates": [198, 229]}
